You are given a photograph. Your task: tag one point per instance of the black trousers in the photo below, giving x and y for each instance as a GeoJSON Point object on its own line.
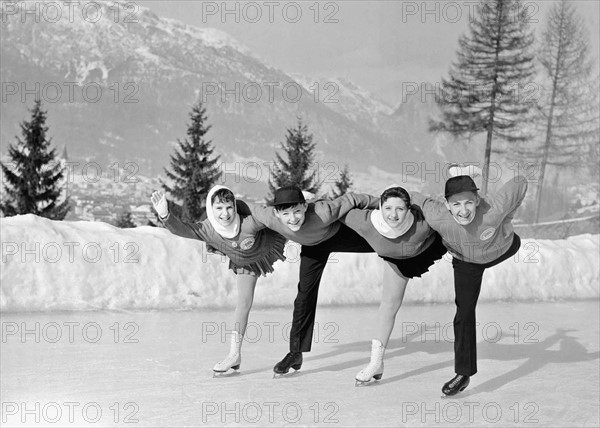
{"type": "Point", "coordinates": [467, 285]}
{"type": "Point", "coordinates": [312, 263]}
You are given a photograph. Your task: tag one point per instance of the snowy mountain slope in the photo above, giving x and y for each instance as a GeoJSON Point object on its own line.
{"type": "Point", "coordinates": [347, 98]}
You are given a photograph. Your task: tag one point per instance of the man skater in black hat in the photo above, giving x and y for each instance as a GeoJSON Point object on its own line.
{"type": "Point", "coordinates": [478, 232]}
{"type": "Point", "coordinates": [315, 226]}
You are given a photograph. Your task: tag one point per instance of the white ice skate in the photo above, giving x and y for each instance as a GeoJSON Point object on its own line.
{"type": "Point", "coordinates": [234, 359]}
{"type": "Point", "coordinates": [375, 368]}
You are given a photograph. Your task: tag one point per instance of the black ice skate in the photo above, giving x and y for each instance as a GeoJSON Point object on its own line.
{"type": "Point", "coordinates": [457, 384]}
{"type": "Point", "coordinates": [291, 360]}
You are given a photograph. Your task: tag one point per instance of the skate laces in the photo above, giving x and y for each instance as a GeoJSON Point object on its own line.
{"type": "Point", "coordinates": [457, 379]}
{"type": "Point", "coordinates": [289, 358]}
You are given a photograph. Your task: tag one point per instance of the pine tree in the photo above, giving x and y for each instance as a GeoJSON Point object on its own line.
{"type": "Point", "coordinates": [194, 172]}
{"type": "Point", "coordinates": [34, 180]}
{"type": "Point", "coordinates": [343, 183]}
{"type": "Point", "coordinates": [568, 110]}
{"type": "Point", "coordinates": [125, 221]}
{"type": "Point", "coordinates": [299, 149]}
{"type": "Point", "coordinates": [485, 91]}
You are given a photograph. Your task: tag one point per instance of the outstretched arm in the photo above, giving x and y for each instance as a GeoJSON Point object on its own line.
{"type": "Point", "coordinates": [426, 203]}
{"type": "Point", "coordinates": [172, 222]}
{"type": "Point", "coordinates": [331, 211]}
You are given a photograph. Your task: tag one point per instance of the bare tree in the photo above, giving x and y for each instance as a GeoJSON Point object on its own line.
{"type": "Point", "coordinates": [568, 108]}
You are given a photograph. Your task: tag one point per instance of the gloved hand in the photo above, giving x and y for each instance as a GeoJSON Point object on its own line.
{"type": "Point", "coordinates": [159, 201]}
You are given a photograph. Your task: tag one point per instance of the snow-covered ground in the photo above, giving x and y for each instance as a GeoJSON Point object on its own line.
{"type": "Point", "coordinates": [52, 265]}
{"type": "Point", "coordinates": [538, 366]}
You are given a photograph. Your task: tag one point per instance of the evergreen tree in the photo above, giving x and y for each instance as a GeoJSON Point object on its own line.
{"type": "Point", "coordinates": [125, 221]}
{"type": "Point", "coordinates": [299, 150]}
{"type": "Point", "coordinates": [568, 110]}
{"type": "Point", "coordinates": [343, 183]}
{"type": "Point", "coordinates": [193, 171]}
{"type": "Point", "coordinates": [34, 180]}
{"type": "Point", "coordinates": [485, 90]}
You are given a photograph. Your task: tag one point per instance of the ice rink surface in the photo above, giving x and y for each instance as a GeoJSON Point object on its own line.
{"type": "Point", "coordinates": [538, 366]}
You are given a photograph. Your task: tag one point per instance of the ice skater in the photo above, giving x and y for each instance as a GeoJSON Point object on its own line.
{"type": "Point", "coordinates": [232, 231]}
{"type": "Point", "coordinates": [477, 231]}
{"type": "Point", "coordinates": [315, 226]}
{"type": "Point", "coordinates": [398, 232]}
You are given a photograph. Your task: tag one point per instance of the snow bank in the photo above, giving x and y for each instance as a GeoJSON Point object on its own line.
{"type": "Point", "coordinates": [51, 265]}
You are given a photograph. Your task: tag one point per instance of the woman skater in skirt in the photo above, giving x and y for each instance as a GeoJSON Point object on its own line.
{"type": "Point", "coordinates": [397, 231]}
{"type": "Point", "coordinates": [252, 250]}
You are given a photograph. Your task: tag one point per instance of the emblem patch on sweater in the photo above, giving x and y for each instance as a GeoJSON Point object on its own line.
{"type": "Point", "coordinates": [487, 234]}
{"type": "Point", "coordinates": [247, 243]}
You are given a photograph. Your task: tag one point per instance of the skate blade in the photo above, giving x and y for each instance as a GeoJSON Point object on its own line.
{"type": "Point", "coordinates": [447, 397]}
{"type": "Point", "coordinates": [363, 383]}
{"type": "Point", "coordinates": [228, 373]}
{"type": "Point", "coordinates": [452, 396]}
{"type": "Point", "coordinates": [282, 375]}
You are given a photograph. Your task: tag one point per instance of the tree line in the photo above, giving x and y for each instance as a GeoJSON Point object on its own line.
{"type": "Point", "coordinates": [32, 186]}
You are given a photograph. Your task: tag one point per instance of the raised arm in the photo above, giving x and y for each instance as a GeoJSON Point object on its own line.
{"type": "Point", "coordinates": [510, 196]}
{"type": "Point", "coordinates": [172, 222]}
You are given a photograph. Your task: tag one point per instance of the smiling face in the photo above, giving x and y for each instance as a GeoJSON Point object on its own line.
{"type": "Point", "coordinates": [292, 217]}
{"type": "Point", "coordinates": [463, 206]}
{"type": "Point", "coordinates": [394, 211]}
{"type": "Point", "coordinates": [223, 212]}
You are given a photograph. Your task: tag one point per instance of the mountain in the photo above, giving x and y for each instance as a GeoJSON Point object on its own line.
{"type": "Point", "coordinates": [120, 89]}
{"type": "Point", "coordinates": [347, 98]}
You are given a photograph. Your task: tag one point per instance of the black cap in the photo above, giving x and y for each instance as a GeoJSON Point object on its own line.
{"type": "Point", "coordinates": [459, 184]}
{"type": "Point", "coordinates": [288, 195]}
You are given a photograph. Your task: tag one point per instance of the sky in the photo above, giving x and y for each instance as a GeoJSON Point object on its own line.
{"type": "Point", "coordinates": [383, 46]}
